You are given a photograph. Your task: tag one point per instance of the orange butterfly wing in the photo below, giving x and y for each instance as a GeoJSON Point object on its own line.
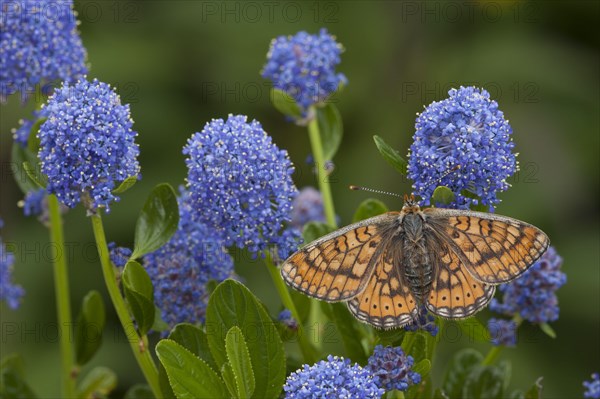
{"type": "Point", "coordinates": [495, 249]}
{"type": "Point", "coordinates": [387, 301]}
{"type": "Point", "coordinates": [338, 266]}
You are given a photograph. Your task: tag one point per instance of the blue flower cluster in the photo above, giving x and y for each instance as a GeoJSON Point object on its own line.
{"type": "Point", "coordinates": [39, 43]}
{"type": "Point", "coordinates": [182, 268]}
{"type": "Point", "coordinates": [532, 295]}
{"type": "Point", "coordinates": [119, 255]}
{"type": "Point", "coordinates": [285, 317]}
{"type": "Point", "coordinates": [334, 378]}
{"type": "Point", "coordinates": [9, 292]}
{"type": "Point", "coordinates": [392, 368]}
{"type": "Point", "coordinates": [87, 145]}
{"type": "Point", "coordinates": [592, 388]}
{"type": "Point", "coordinates": [303, 66]}
{"type": "Point", "coordinates": [503, 332]}
{"type": "Point", "coordinates": [240, 185]}
{"type": "Point", "coordinates": [21, 134]}
{"type": "Point", "coordinates": [424, 321]}
{"type": "Point", "coordinates": [466, 132]}
{"type": "Point", "coordinates": [307, 207]}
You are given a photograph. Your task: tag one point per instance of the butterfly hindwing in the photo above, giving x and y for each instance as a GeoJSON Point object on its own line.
{"type": "Point", "coordinates": [495, 249]}
{"type": "Point", "coordinates": [386, 301]}
{"type": "Point", "coordinates": [338, 266]}
{"type": "Point", "coordinates": [454, 293]}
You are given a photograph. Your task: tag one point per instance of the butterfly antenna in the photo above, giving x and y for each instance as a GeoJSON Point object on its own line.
{"type": "Point", "coordinates": [358, 188]}
{"type": "Point", "coordinates": [442, 177]}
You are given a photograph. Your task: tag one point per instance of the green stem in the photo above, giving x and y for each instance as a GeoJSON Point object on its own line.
{"type": "Point", "coordinates": [140, 350]}
{"type": "Point", "coordinates": [317, 150]}
{"type": "Point", "coordinates": [286, 299]}
{"type": "Point", "coordinates": [63, 305]}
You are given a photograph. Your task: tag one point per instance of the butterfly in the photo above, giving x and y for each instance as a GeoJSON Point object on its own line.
{"type": "Point", "coordinates": [387, 268]}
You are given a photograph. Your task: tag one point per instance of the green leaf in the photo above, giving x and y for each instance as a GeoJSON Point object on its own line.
{"type": "Point", "coordinates": [442, 195]}
{"type": "Point", "coordinates": [285, 104]}
{"type": "Point", "coordinates": [163, 382]}
{"type": "Point", "coordinates": [139, 293]}
{"type": "Point", "coordinates": [423, 368]}
{"type": "Point", "coordinates": [157, 221]}
{"type": "Point", "coordinates": [535, 392]}
{"type": "Point", "coordinates": [472, 328]}
{"type": "Point", "coordinates": [18, 157]}
{"type": "Point", "coordinates": [331, 129]}
{"type": "Point", "coordinates": [100, 381]}
{"type": "Point", "coordinates": [239, 360]}
{"type": "Point", "coordinates": [189, 376]}
{"type": "Point", "coordinates": [459, 369]}
{"type": "Point", "coordinates": [390, 155]}
{"type": "Point", "coordinates": [391, 337]}
{"type": "Point", "coordinates": [159, 324]}
{"type": "Point", "coordinates": [126, 185]}
{"type": "Point", "coordinates": [232, 304]}
{"type": "Point", "coordinates": [484, 382]}
{"type": "Point", "coordinates": [90, 323]}
{"type": "Point", "coordinates": [548, 330]}
{"type": "Point", "coordinates": [12, 378]}
{"type": "Point", "coordinates": [314, 230]}
{"type": "Point", "coordinates": [228, 377]}
{"type": "Point", "coordinates": [193, 339]}
{"type": "Point", "coordinates": [139, 391]}
{"type": "Point", "coordinates": [369, 208]}
{"type": "Point", "coordinates": [34, 174]}
{"type": "Point", "coordinates": [33, 142]}
{"type": "Point", "coordinates": [347, 328]}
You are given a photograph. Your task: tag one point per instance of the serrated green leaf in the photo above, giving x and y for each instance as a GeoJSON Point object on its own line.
{"type": "Point", "coordinates": [391, 337]}
{"type": "Point", "coordinates": [12, 378]}
{"type": "Point", "coordinates": [163, 382]}
{"type": "Point", "coordinates": [100, 381]}
{"type": "Point", "coordinates": [331, 129]}
{"type": "Point", "coordinates": [18, 156]}
{"type": "Point", "coordinates": [548, 330]}
{"type": "Point", "coordinates": [472, 328]}
{"type": "Point", "coordinates": [193, 339]}
{"type": "Point", "coordinates": [314, 230]}
{"type": "Point", "coordinates": [484, 382]}
{"type": "Point", "coordinates": [232, 304]}
{"type": "Point", "coordinates": [139, 293]}
{"type": "Point", "coordinates": [157, 221]}
{"type": "Point", "coordinates": [346, 327]}
{"type": "Point", "coordinates": [90, 323]}
{"type": "Point", "coordinates": [227, 375]}
{"type": "Point", "coordinates": [34, 174]}
{"type": "Point", "coordinates": [239, 360]}
{"type": "Point", "coordinates": [33, 142]}
{"type": "Point", "coordinates": [390, 155]}
{"type": "Point", "coordinates": [423, 368]}
{"type": "Point", "coordinates": [189, 376]}
{"type": "Point", "coordinates": [285, 104]}
{"type": "Point", "coordinates": [460, 367]}
{"type": "Point", "coordinates": [442, 195]}
{"type": "Point", "coordinates": [369, 208]}
{"type": "Point", "coordinates": [139, 391]}
{"type": "Point", "coordinates": [126, 185]}
{"type": "Point", "coordinates": [535, 392]}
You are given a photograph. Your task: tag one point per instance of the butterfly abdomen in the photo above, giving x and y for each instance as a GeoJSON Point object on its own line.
{"type": "Point", "coordinates": [417, 270]}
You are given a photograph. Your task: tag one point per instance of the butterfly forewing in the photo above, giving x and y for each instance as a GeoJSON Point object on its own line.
{"type": "Point", "coordinates": [454, 293]}
{"type": "Point", "coordinates": [386, 301]}
{"type": "Point", "coordinates": [494, 249]}
{"type": "Point", "coordinates": [338, 266]}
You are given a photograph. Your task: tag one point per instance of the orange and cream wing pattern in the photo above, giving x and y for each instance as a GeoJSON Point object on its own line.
{"type": "Point", "coordinates": [455, 293]}
{"type": "Point", "coordinates": [338, 266]}
{"type": "Point", "coordinates": [386, 301]}
{"type": "Point", "coordinates": [495, 249]}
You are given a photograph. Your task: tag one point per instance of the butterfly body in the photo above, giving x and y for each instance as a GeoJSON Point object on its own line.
{"type": "Point", "coordinates": [388, 266]}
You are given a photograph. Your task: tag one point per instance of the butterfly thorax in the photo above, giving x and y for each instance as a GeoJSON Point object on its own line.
{"type": "Point", "coordinates": [417, 268]}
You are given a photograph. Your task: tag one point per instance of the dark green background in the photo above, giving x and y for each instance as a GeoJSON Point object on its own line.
{"type": "Point", "coordinates": [181, 63]}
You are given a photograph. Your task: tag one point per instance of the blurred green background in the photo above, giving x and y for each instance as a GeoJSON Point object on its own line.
{"type": "Point", "coordinates": [181, 63]}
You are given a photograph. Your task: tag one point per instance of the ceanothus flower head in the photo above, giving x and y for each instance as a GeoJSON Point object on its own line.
{"type": "Point", "coordinates": [39, 43]}
{"type": "Point", "coordinates": [240, 185]}
{"type": "Point", "coordinates": [21, 133]}
{"type": "Point", "coordinates": [464, 143]}
{"type": "Point", "coordinates": [423, 321]}
{"type": "Point", "coordinates": [592, 388]}
{"type": "Point", "coordinates": [285, 317]}
{"type": "Point", "coordinates": [181, 269]}
{"type": "Point", "coordinates": [307, 207]}
{"type": "Point", "coordinates": [119, 256]}
{"type": "Point", "coordinates": [9, 292]}
{"type": "Point", "coordinates": [87, 146]}
{"type": "Point", "coordinates": [503, 332]}
{"type": "Point", "coordinates": [333, 378]}
{"type": "Point", "coordinates": [303, 66]}
{"type": "Point", "coordinates": [532, 296]}
{"type": "Point", "coordinates": [392, 368]}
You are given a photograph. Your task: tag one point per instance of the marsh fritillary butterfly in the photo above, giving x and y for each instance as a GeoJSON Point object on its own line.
{"type": "Point", "coordinates": [387, 266]}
